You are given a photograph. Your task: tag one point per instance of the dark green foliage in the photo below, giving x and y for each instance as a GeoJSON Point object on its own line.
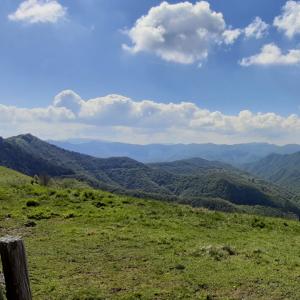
{"type": "Point", "coordinates": [179, 267]}
{"type": "Point", "coordinates": [13, 155]}
{"type": "Point", "coordinates": [32, 203]}
{"type": "Point", "coordinates": [30, 224]}
{"type": "Point", "coordinates": [70, 215]}
{"type": "Point", "coordinates": [100, 204]}
{"type": "Point", "coordinates": [280, 169]}
{"type": "Point", "coordinates": [258, 223]}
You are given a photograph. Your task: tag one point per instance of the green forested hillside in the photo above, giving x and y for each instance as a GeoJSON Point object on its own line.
{"type": "Point", "coordinates": [195, 181]}
{"type": "Point", "coordinates": [280, 169]}
{"type": "Point", "coordinates": [88, 244]}
{"type": "Point", "coordinates": [193, 166]}
{"type": "Point", "coordinates": [15, 155]}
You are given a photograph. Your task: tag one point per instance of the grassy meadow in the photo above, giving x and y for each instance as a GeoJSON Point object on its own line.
{"type": "Point", "coordinates": [85, 244]}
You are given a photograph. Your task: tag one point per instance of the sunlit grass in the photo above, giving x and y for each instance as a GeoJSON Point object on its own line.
{"type": "Point", "coordinates": [87, 244]}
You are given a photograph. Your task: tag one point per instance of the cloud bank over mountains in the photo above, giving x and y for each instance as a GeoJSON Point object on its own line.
{"type": "Point", "coordinates": [116, 117]}
{"type": "Point", "coordinates": [185, 33]}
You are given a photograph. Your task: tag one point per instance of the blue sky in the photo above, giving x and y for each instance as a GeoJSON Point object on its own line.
{"type": "Point", "coordinates": [81, 50]}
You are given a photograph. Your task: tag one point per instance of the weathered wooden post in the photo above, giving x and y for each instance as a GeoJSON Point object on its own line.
{"type": "Point", "coordinates": [1, 295]}
{"type": "Point", "coordinates": [15, 268]}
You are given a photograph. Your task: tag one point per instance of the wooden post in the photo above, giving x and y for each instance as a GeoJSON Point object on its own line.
{"type": "Point", "coordinates": [15, 268]}
{"type": "Point", "coordinates": [1, 295]}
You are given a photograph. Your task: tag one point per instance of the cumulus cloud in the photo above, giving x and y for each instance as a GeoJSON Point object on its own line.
{"type": "Point", "coordinates": [116, 117]}
{"type": "Point", "coordinates": [68, 99]}
{"type": "Point", "coordinates": [271, 54]}
{"type": "Point", "coordinates": [39, 11]}
{"type": "Point", "coordinates": [231, 35]}
{"type": "Point", "coordinates": [183, 32]}
{"type": "Point", "coordinates": [289, 20]}
{"type": "Point", "coordinates": [257, 29]}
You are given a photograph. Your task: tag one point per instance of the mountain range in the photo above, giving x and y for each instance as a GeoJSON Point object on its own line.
{"type": "Point", "coordinates": [237, 155]}
{"type": "Point", "coordinates": [194, 181]}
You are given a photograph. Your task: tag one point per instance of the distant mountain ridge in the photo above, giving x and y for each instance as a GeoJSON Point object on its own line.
{"type": "Point", "coordinates": [233, 154]}
{"type": "Point", "coordinates": [194, 181]}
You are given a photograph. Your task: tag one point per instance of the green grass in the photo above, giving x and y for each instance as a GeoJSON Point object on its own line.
{"type": "Point", "coordinates": [88, 244]}
{"type": "Point", "coordinates": [10, 178]}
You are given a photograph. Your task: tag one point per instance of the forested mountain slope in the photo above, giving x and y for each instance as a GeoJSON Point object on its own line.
{"type": "Point", "coordinates": [195, 181]}
{"type": "Point", "coordinates": [280, 169]}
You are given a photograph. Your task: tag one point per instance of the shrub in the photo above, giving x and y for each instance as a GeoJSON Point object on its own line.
{"type": "Point", "coordinates": [180, 267]}
{"type": "Point", "coordinates": [41, 179]}
{"type": "Point", "coordinates": [76, 194]}
{"type": "Point", "coordinates": [32, 203]}
{"type": "Point", "coordinates": [69, 215]}
{"type": "Point", "coordinates": [52, 193]}
{"type": "Point", "coordinates": [257, 223]}
{"type": "Point", "coordinates": [99, 204]}
{"type": "Point", "coordinates": [41, 215]}
{"type": "Point", "coordinates": [216, 252]}
{"type": "Point", "coordinates": [229, 250]}
{"type": "Point", "coordinates": [29, 224]}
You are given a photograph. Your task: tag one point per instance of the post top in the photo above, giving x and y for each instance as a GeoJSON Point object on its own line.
{"type": "Point", "coordinates": [9, 239]}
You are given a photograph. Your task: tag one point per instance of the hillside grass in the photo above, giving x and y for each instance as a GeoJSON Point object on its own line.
{"type": "Point", "coordinates": [84, 244]}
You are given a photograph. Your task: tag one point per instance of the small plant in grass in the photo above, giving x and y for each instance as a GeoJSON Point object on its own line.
{"type": "Point", "coordinates": [257, 223]}
{"type": "Point", "coordinates": [40, 214]}
{"type": "Point", "coordinates": [52, 192]}
{"type": "Point", "coordinates": [62, 196]}
{"type": "Point", "coordinates": [180, 267]}
{"type": "Point", "coordinates": [88, 195]}
{"type": "Point", "coordinates": [30, 224]}
{"type": "Point", "coordinates": [216, 252]}
{"type": "Point", "coordinates": [32, 203]}
{"type": "Point", "coordinates": [100, 204]}
{"type": "Point", "coordinates": [70, 215]}
{"type": "Point", "coordinates": [76, 194]}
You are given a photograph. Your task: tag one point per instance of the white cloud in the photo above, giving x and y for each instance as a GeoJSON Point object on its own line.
{"type": "Point", "coordinates": [116, 117]}
{"type": "Point", "coordinates": [39, 11]}
{"type": "Point", "coordinates": [230, 35]}
{"type": "Point", "coordinates": [257, 29]}
{"type": "Point", "coordinates": [182, 33]}
{"type": "Point", "coordinates": [69, 100]}
{"type": "Point", "coordinates": [271, 54]}
{"type": "Point", "coordinates": [289, 21]}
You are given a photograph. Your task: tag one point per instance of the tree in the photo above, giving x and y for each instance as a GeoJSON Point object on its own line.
{"type": "Point", "coordinates": [41, 179]}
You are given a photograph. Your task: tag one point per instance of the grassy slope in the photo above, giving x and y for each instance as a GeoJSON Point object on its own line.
{"type": "Point", "coordinates": [130, 248]}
